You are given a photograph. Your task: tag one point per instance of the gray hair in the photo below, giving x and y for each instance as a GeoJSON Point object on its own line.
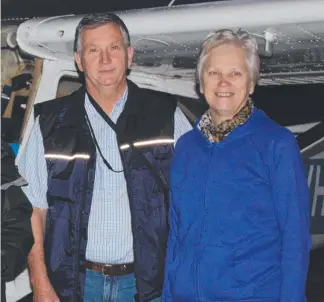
{"type": "Point", "coordinates": [226, 36]}
{"type": "Point", "coordinates": [99, 19]}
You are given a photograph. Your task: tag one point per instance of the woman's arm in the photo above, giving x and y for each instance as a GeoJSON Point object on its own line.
{"type": "Point", "coordinates": [177, 168]}
{"type": "Point", "coordinates": [166, 296]}
{"type": "Point", "coordinates": [292, 210]}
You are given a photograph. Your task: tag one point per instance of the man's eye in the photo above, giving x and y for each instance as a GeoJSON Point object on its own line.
{"type": "Point", "coordinates": [93, 50]}
{"type": "Point", "coordinates": [115, 47]}
{"type": "Point", "coordinates": [212, 73]}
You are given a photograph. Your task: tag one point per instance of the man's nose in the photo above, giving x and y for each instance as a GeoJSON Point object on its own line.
{"type": "Point", "coordinates": [105, 57]}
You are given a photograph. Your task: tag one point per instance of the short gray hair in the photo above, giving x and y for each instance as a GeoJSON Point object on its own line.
{"type": "Point", "coordinates": [99, 19]}
{"type": "Point", "coordinates": [226, 36]}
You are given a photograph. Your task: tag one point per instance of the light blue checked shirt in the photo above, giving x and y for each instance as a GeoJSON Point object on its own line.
{"type": "Point", "coordinates": [110, 237]}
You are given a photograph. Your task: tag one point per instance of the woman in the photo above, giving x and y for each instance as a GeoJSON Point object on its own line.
{"type": "Point", "coordinates": [239, 214]}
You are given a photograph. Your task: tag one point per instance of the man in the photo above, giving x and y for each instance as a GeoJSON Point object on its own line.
{"type": "Point", "coordinates": [16, 233]}
{"type": "Point", "coordinates": [100, 178]}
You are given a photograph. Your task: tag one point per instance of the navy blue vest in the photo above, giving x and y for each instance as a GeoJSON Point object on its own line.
{"type": "Point", "coordinates": [71, 160]}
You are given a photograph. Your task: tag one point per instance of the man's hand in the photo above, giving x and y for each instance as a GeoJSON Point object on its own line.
{"type": "Point", "coordinates": [44, 292]}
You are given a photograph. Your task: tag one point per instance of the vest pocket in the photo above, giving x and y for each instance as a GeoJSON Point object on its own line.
{"type": "Point", "coordinates": [145, 193]}
{"type": "Point", "coordinates": [60, 174]}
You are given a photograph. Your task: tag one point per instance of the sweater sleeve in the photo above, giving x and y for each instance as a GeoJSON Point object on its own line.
{"type": "Point", "coordinates": [292, 210]}
{"type": "Point", "coordinates": [178, 164]}
{"type": "Point", "coordinates": [166, 296]}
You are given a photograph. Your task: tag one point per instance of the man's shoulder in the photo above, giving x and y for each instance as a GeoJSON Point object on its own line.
{"type": "Point", "coordinates": [146, 114]}
{"type": "Point", "coordinates": [160, 96]}
{"type": "Point", "coordinates": [133, 88]}
{"type": "Point", "coordinates": [54, 105]}
{"type": "Point", "coordinates": [150, 99]}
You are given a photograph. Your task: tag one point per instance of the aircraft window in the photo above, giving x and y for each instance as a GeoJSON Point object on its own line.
{"type": "Point", "coordinates": [15, 87]}
{"type": "Point", "coordinates": [67, 85]}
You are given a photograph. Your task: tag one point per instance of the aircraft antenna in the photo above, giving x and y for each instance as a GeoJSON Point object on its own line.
{"type": "Point", "coordinates": [171, 3]}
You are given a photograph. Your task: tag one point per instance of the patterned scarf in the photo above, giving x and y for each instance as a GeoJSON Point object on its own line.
{"type": "Point", "coordinates": [219, 132]}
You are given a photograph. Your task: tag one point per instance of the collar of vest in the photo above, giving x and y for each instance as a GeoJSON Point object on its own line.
{"type": "Point", "coordinates": [146, 115]}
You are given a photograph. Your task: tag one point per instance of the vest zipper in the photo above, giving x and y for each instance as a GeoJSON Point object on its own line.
{"type": "Point", "coordinates": [74, 297]}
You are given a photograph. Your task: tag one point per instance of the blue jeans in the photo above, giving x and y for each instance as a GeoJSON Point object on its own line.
{"type": "Point", "coordinates": [100, 288]}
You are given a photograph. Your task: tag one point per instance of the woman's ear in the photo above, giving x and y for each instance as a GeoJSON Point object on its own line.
{"type": "Point", "coordinates": [201, 86]}
{"type": "Point", "coordinates": [252, 86]}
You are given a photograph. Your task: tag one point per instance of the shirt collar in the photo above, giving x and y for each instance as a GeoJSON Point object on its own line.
{"type": "Point", "coordinates": [93, 108]}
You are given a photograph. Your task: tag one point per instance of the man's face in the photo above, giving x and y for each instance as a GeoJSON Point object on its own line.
{"type": "Point", "coordinates": [104, 58]}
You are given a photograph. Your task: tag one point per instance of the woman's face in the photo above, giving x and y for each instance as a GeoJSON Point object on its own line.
{"type": "Point", "coordinates": [226, 81]}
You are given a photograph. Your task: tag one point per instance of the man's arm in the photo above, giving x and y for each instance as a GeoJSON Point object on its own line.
{"type": "Point", "coordinates": [292, 207]}
{"type": "Point", "coordinates": [43, 290]}
{"type": "Point", "coordinates": [38, 272]}
{"type": "Point", "coordinates": [32, 166]}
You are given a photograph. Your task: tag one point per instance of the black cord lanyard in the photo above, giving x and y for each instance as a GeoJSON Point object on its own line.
{"type": "Point", "coordinates": [97, 145]}
{"type": "Point", "coordinates": [156, 173]}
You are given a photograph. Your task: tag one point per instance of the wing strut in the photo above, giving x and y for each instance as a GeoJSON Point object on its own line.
{"type": "Point", "coordinates": [171, 3]}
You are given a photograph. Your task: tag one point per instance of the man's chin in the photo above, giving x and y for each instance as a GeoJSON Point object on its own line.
{"type": "Point", "coordinates": [107, 83]}
{"type": "Point", "coordinates": [111, 81]}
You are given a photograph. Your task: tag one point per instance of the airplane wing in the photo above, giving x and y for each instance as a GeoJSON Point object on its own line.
{"type": "Point", "coordinates": [290, 35]}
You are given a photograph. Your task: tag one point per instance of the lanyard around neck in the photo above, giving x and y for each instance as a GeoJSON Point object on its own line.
{"type": "Point", "coordinates": [97, 145]}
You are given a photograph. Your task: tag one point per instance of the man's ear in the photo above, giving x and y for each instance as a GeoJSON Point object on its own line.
{"type": "Point", "coordinates": [77, 59]}
{"type": "Point", "coordinates": [130, 55]}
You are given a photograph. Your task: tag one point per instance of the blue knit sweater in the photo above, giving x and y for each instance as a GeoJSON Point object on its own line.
{"type": "Point", "coordinates": [239, 217]}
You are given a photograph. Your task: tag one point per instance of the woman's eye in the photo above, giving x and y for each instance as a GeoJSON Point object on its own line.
{"type": "Point", "coordinates": [236, 73]}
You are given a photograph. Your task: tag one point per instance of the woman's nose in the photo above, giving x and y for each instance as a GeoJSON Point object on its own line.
{"type": "Point", "coordinates": [223, 81]}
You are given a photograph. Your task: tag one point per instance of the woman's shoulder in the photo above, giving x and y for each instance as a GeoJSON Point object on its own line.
{"type": "Point", "coordinates": [271, 130]}
{"type": "Point", "coordinates": [269, 137]}
{"type": "Point", "coordinates": [186, 139]}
